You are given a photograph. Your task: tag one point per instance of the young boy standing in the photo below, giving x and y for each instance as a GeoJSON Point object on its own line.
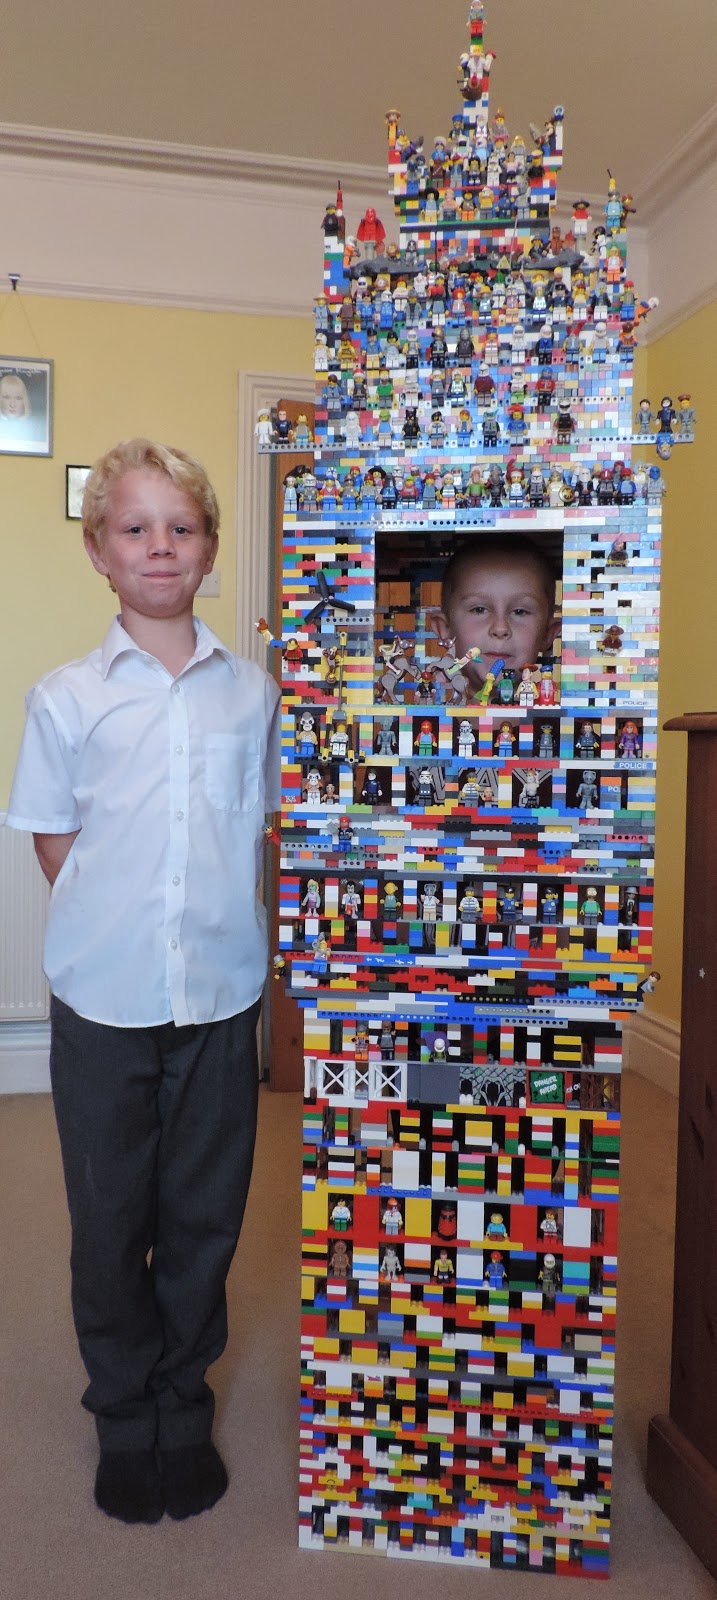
{"type": "Point", "coordinates": [144, 774]}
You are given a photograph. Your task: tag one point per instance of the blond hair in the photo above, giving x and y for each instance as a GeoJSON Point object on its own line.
{"type": "Point", "coordinates": [144, 455]}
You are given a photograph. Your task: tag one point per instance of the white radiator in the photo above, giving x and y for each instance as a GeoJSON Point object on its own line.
{"type": "Point", "coordinates": [23, 909]}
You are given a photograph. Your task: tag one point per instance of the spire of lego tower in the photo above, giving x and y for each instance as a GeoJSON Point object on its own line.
{"type": "Point", "coordinates": [474, 66]}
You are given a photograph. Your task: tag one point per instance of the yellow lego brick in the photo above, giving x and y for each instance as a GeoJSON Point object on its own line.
{"type": "Point", "coordinates": [403, 1358]}
{"type": "Point", "coordinates": [520, 1366]}
{"type": "Point", "coordinates": [352, 1322]}
{"type": "Point", "coordinates": [503, 1400]}
{"type": "Point", "coordinates": [418, 1218]}
{"type": "Point", "coordinates": [315, 1209]}
{"type": "Point", "coordinates": [327, 1347]}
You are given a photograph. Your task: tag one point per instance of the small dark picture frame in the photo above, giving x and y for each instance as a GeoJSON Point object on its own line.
{"type": "Point", "coordinates": [75, 480]}
{"type": "Point", "coordinates": [25, 406]}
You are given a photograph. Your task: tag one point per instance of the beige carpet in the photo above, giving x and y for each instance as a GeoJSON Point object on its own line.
{"type": "Point", "coordinates": [54, 1544]}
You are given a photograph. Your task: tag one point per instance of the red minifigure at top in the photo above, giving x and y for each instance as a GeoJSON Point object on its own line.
{"type": "Point", "coordinates": [370, 234]}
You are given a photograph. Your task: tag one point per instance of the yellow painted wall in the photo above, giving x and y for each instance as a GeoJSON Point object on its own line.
{"type": "Point", "coordinates": [683, 361]}
{"type": "Point", "coordinates": [119, 370]}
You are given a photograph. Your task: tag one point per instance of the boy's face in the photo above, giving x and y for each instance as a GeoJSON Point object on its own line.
{"type": "Point", "coordinates": [153, 547]}
{"type": "Point", "coordinates": [501, 604]}
{"type": "Point", "coordinates": [12, 398]}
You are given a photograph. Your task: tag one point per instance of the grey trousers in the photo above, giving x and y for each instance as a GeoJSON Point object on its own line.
{"type": "Point", "coordinates": [157, 1129]}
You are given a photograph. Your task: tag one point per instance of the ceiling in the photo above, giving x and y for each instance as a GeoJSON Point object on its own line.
{"type": "Point", "coordinates": [313, 78]}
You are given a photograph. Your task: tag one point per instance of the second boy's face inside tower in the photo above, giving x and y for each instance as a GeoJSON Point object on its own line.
{"type": "Point", "coordinates": [500, 601]}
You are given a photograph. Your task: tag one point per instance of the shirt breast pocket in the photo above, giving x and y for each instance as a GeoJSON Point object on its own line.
{"type": "Point", "coordinates": [232, 771]}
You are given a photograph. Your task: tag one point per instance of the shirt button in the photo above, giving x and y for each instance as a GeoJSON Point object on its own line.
{"type": "Point", "coordinates": [180, 816]}
{"type": "Point", "coordinates": [179, 749]}
{"type": "Point", "coordinates": [175, 688]}
{"type": "Point", "coordinates": [172, 944]}
{"type": "Point", "coordinates": [176, 880]}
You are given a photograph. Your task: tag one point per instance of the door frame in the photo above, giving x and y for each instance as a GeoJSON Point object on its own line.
{"type": "Point", "coordinates": [254, 525]}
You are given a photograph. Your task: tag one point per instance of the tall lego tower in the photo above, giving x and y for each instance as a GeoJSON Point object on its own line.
{"type": "Point", "coordinates": [469, 641]}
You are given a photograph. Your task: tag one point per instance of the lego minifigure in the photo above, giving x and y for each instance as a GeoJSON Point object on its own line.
{"type": "Point", "coordinates": [311, 902]}
{"type": "Point", "coordinates": [546, 745]}
{"type": "Point", "coordinates": [630, 905]}
{"type": "Point", "coordinates": [617, 554]}
{"type": "Point", "coordinates": [425, 742]}
{"type": "Point", "coordinates": [306, 736]}
{"type": "Point", "coordinates": [443, 1268]}
{"type": "Point", "coordinates": [546, 688]}
{"type": "Point", "coordinates": [549, 1277]}
{"type": "Point", "coordinates": [351, 901]}
{"type": "Point", "coordinates": [590, 912]}
{"type": "Point", "coordinates": [549, 1225]}
{"type": "Point", "coordinates": [313, 788]}
{"type": "Point", "coordinates": [587, 790]}
{"type": "Point", "coordinates": [263, 430]}
{"type": "Point", "coordinates": [496, 1228]}
{"type": "Point", "coordinates": [282, 432]}
{"type": "Point", "coordinates": [391, 1264]}
{"type": "Point", "coordinates": [390, 902]}
{"type": "Point", "coordinates": [429, 903]}
{"type": "Point", "coordinates": [510, 906]}
{"type": "Point", "coordinates": [644, 418]}
{"type": "Point", "coordinates": [371, 792]}
{"type": "Point", "coordinates": [549, 906]}
{"type": "Point", "coordinates": [611, 642]}
{"type": "Point", "coordinates": [341, 1216]}
{"type": "Point", "coordinates": [527, 692]}
{"type": "Point", "coordinates": [392, 1219]}
{"type": "Point", "coordinates": [344, 835]}
{"type": "Point", "coordinates": [686, 418]}
{"type": "Point", "coordinates": [666, 415]}
{"type": "Point", "coordinates": [495, 1275]}
{"type": "Point", "coordinates": [447, 1222]}
{"type": "Point", "coordinates": [424, 786]}
{"type": "Point", "coordinates": [339, 1260]}
{"type": "Point", "coordinates": [370, 234]}
{"type": "Point", "coordinates": [529, 796]}
{"type": "Point", "coordinates": [629, 742]}
{"type": "Point", "coordinates": [469, 906]}
{"type": "Point", "coordinates": [385, 739]}
{"type": "Point", "coordinates": [504, 740]}
{"type": "Point", "coordinates": [587, 742]}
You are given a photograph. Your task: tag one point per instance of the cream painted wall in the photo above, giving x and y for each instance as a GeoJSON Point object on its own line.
{"type": "Point", "coordinates": [119, 369]}
{"type": "Point", "coordinates": [683, 361]}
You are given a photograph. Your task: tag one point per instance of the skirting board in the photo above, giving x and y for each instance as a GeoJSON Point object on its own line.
{"type": "Point", "coordinates": [24, 1058]}
{"type": "Point", "coordinates": [652, 1049]}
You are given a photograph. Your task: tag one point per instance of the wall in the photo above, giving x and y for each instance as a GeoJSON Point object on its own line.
{"type": "Point", "coordinates": [119, 369]}
{"type": "Point", "coordinates": [683, 361]}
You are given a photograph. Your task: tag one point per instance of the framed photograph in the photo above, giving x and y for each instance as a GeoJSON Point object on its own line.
{"type": "Point", "coordinates": [75, 480]}
{"type": "Point", "coordinates": [25, 406]}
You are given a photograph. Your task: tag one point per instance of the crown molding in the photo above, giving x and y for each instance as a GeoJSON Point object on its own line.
{"type": "Point", "coordinates": [260, 305]}
{"type": "Point", "coordinates": [689, 160]}
{"type": "Point", "coordinates": [197, 161]}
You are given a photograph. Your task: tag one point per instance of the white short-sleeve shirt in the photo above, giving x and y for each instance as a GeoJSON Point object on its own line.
{"type": "Point", "coordinates": [154, 916]}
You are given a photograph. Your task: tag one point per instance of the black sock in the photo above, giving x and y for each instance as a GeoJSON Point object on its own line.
{"type": "Point", "coordinates": [128, 1485]}
{"type": "Point", "coordinates": [194, 1477]}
